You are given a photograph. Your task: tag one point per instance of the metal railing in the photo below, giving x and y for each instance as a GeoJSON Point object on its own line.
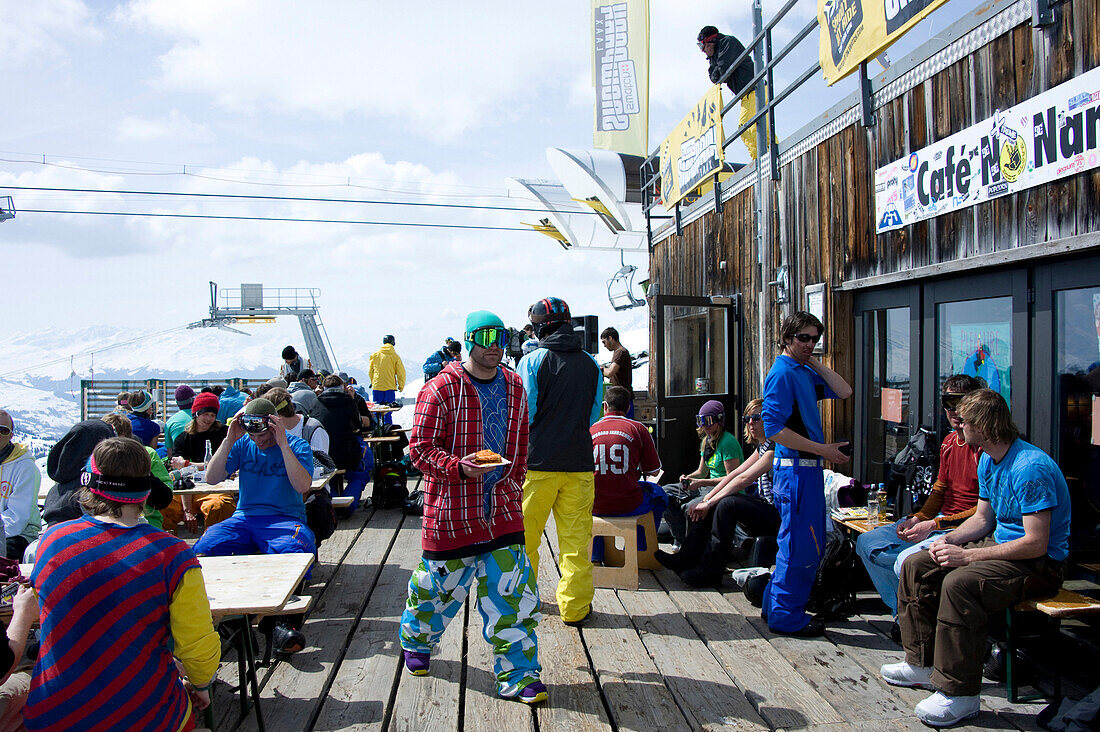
{"type": "Point", "coordinates": [268, 298]}
{"type": "Point", "coordinates": [765, 58]}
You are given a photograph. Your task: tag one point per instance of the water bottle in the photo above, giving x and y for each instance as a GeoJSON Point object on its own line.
{"type": "Point", "coordinates": [872, 506]}
{"type": "Point", "coordinates": [883, 505]}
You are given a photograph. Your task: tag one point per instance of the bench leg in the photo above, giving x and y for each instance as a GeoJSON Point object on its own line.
{"type": "Point", "coordinates": [1013, 690]}
{"type": "Point", "coordinates": [246, 671]}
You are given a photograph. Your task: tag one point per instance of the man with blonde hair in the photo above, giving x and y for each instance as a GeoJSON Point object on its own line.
{"type": "Point", "coordinates": [1014, 546]}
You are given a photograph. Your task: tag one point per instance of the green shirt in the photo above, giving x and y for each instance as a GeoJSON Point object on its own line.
{"type": "Point", "coordinates": [728, 448]}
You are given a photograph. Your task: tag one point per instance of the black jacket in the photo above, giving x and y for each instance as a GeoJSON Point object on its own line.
{"type": "Point", "coordinates": [64, 465]}
{"type": "Point", "coordinates": [340, 418]}
{"type": "Point", "coordinates": [564, 394]}
{"type": "Point", "coordinates": [726, 51]}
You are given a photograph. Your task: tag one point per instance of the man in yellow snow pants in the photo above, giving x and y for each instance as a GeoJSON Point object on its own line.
{"type": "Point", "coordinates": [570, 496]}
{"type": "Point", "coordinates": [564, 389]}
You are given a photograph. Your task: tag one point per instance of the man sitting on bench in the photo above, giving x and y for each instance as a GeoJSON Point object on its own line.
{"type": "Point", "coordinates": [276, 470]}
{"type": "Point", "coordinates": [1014, 546]}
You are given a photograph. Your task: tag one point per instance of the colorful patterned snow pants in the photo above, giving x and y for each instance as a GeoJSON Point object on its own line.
{"type": "Point", "coordinates": [507, 601]}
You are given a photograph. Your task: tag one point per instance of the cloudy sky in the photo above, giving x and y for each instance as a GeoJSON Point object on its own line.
{"type": "Point", "coordinates": [430, 101]}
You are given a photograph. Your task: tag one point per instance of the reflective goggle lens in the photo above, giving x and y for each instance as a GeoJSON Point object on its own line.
{"type": "Point", "coordinates": [706, 420]}
{"type": "Point", "coordinates": [254, 423]}
{"type": "Point", "coordinates": [486, 337]}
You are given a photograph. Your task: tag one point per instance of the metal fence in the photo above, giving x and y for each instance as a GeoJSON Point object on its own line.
{"type": "Point", "coordinates": [99, 397]}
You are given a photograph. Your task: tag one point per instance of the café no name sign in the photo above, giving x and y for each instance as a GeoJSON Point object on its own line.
{"type": "Point", "coordinates": [1047, 137]}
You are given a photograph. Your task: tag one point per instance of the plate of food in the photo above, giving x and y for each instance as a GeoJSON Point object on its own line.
{"type": "Point", "coordinates": [486, 459]}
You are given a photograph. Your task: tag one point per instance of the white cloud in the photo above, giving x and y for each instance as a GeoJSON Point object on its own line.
{"type": "Point", "coordinates": [442, 68]}
{"type": "Point", "coordinates": [175, 127]}
{"type": "Point", "coordinates": [34, 32]}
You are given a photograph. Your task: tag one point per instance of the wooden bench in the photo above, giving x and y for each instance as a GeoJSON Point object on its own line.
{"type": "Point", "coordinates": [342, 501]}
{"type": "Point", "coordinates": [1065, 604]}
{"type": "Point", "coordinates": [620, 570]}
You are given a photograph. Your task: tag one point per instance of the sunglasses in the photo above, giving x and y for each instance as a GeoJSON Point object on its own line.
{"type": "Point", "coordinates": [254, 423]}
{"type": "Point", "coordinates": [5, 431]}
{"type": "Point", "coordinates": [807, 338]}
{"type": "Point", "coordinates": [950, 402]}
{"type": "Point", "coordinates": [708, 419]}
{"type": "Point", "coordinates": [486, 337]}
{"type": "Point", "coordinates": [750, 418]}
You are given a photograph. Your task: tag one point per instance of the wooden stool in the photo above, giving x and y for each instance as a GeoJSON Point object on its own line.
{"type": "Point", "coordinates": [624, 577]}
{"type": "Point", "coordinates": [614, 556]}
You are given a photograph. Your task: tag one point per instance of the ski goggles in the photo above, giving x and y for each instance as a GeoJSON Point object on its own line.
{"type": "Point", "coordinates": [254, 423]}
{"type": "Point", "coordinates": [486, 337]}
{"type": "Point", "coordinates": [705, 420]}
{"type": "Point", "coordinates": [950, 401]}
{"type": "Point", "coordinates": [750, 418]}
{"type": "Point", "coordinates": [5, 431]}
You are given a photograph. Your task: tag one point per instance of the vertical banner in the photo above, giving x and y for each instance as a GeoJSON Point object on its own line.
{"type": "Point", "coordinates": [620, 73]}
{"type": "Point", "coordinates": [854, 31]}
{"type": "Point", "coordinates": [692, 152]}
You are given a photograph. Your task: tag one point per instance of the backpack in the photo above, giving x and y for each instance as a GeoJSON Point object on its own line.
{"type": "Point", "coordinates": [390, 489]}
{"type": "Point", "coordinates": [309, 426]}
{"type": "Point", "coordinates": [912, 472]}
{"type": "Point", "coordinates": [320, 518]}
{"type": "Point", "coordinates": [834, 590]}
{"type": "Point", "coordinates": [386, 452]}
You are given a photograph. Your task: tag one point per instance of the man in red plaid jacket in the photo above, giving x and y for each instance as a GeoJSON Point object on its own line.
{"type": "Point", "coordinates": [473, 517]}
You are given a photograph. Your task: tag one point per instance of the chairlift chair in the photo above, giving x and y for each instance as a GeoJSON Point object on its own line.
{"type": "Point", "coordinates": [7, 208]}
{"type": "Point", "coordinates": [619, 288]}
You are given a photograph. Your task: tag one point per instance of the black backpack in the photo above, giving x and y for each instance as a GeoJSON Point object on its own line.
{"type": "Point", "coordinates": [390, 489]}
{"type": "Point", "coordinates": [834, 590]}
{"type": "Point", "coordinates": [912, 472]}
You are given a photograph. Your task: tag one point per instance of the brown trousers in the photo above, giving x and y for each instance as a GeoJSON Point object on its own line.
{"type": "Point", "coordinates": [944, 612]}
{"type": "Point", "coordinates": [214, 507]}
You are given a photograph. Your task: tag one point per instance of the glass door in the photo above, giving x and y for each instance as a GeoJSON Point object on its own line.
{"type": "Point", "coordinates": [697, 349]}
{"type": "Point", "coordinates": [888, 358]}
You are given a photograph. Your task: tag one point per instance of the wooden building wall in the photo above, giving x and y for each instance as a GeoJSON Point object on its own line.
{"type": "Point", "coordinates": [823, 206]}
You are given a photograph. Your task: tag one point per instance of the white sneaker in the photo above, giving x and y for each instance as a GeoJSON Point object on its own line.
{"type": "Point", "coordinates": [902, 674]}
{"type": "Point", "coordinates": [940, 710]}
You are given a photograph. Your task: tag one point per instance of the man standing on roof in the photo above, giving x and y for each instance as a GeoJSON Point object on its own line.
{"type": "Point", "coordinates": [473, 518]}
{"type": "Point", "coordinates": [564, 397]}
{"type": "Point", "coordinates": [722, 50]}
{"type": "Point", "coordinates": [387, 374]}
{"type": "Point", "coordinates": [796, 382]}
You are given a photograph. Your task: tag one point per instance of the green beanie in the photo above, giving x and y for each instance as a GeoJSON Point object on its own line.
{"type": "Point", "coordinates": [480, 319]}
{"type": "Point", "coordinates": [259, 406]}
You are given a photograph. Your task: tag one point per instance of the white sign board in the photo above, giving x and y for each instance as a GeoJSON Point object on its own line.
{"type": "Point", "coordinates": [1050, 136]}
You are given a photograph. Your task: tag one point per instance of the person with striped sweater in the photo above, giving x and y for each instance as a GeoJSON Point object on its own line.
{"type": "Point", "coordinates": [118, 600]}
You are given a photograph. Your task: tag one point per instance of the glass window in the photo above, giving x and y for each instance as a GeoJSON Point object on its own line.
{"type": "Point", "coordinates": [888, 397]}
{"type": "Point", "coordinates": [975, 338]}
{"type": "Point", "coordinates": [695, 350]}
{"type": "Point", "coordinates": [1076, 392]}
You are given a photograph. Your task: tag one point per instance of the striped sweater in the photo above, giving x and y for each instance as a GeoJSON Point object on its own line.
{"type": "Point", "coordinates": [104, 593]}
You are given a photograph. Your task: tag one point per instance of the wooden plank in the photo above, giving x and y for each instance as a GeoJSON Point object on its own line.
{"type": "Point", "coordinates": [704, 691]}
{"type": "Point", "coordinates": [575, 703]}
{"type": "Point", "coordinates": [433, 702]}
{"type": "Point", "coordinates": [330, 554]}
{"type": "Point", "coordinates": [483, 710]}
{"type": "Point", "coordinates": [360, 693]}
{"type": "Point", "coordinates": [857, 695]}
{"type": "Point", "coordinates": [779, 693]}
{"type": "Point", "coordinates": [295, 689]}
{"type": "Point", "coordinates": [631, 683]}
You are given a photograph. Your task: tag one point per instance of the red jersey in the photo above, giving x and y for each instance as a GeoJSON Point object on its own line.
{"type": "Point", "coordinates": [623, 450]}
{"type": "Point", "coordinates": [959, 472]}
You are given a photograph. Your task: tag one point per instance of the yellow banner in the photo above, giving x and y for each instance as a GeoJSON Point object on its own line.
{"type": "Point", "coordinates": [620, 73]}
{"type": "Point", "coordinates": [692, 153]}
{"type": "Point", "coordinates": [854, 31]}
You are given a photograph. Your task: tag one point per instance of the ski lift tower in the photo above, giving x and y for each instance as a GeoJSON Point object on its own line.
{"type": "Point", "coordinates": [254, 304]}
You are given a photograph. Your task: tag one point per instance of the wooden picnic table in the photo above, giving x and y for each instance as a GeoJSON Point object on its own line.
{"type": "Point", "coordinates": [379, 409]}
{"type": "Point", "coordinates": [376, 440]}
{"type": "Point", "coordinates": [231, 485]}
{"type": "Point", "coordinates": [855, 525]}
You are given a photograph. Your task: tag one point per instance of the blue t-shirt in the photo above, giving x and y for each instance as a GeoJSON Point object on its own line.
{"type": "Point", "coordinates": [493, 396]}
{"type": "Point", "coordinates": [791, 393]}
{"type": "Point", "coordinates": [1026, 481]}
{"type": "Point", "coordinates": [265, 487]}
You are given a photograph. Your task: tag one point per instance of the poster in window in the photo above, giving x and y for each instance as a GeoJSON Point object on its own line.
{"type": "Point", "coordinates": [983, 350]}
{"type": "Point", "coordinates": [891, 405]}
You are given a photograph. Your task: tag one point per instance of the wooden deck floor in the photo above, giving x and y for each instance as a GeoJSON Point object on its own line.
{"type": "Point", "coordinates": [664, 657]}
